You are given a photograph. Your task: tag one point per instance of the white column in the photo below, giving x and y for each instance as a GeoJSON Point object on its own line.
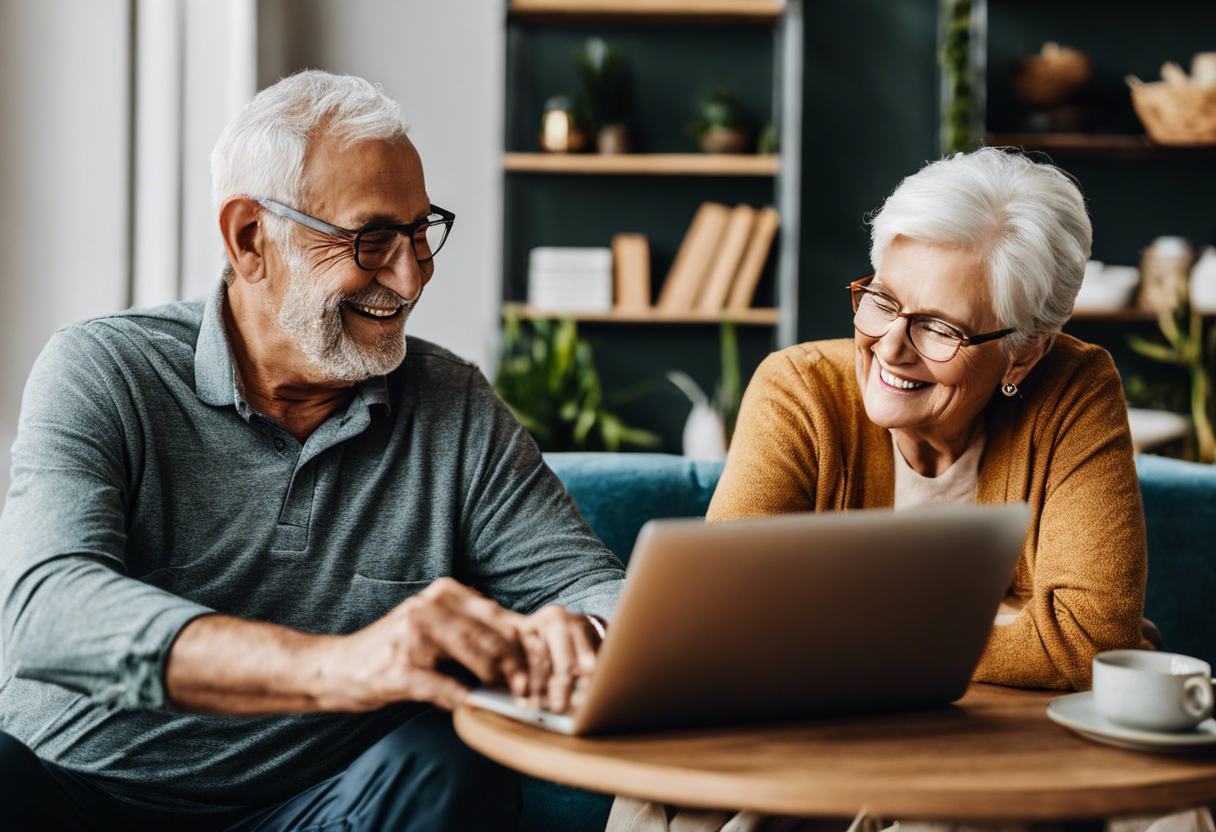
{"type": "Point", "coordinates": [157, 244]}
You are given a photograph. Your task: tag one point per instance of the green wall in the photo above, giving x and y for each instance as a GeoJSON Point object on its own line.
{"type": "Point", "coordinates": [870, 118]}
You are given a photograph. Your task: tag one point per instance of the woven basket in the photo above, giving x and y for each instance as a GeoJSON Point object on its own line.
{"type": "Point", "coordinates": [1177, 114]}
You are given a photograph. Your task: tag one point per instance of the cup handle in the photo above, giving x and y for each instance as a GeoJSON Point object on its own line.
{"type": "Point", "coordinates": [1197, 697]}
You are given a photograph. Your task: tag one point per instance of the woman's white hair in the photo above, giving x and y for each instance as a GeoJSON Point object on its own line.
{"type": "Point", "coordinates": [1026, 220]}
{"type": "Point", "coordinates": [263, 149]}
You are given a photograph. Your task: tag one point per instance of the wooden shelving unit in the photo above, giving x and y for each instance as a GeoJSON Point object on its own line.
{"type": "Point", "coordinates": [747, 317]}
{"type": "Point", "coordinates": [673, 11]}
{"type": "Point", "coordinates": [1126, 315]}
{"type": "Point", "coordinates": [1100, 146]}
{"type": "Point", "coordinates": [528, 21]}
{"type": "Point", "coordinates": [646, 164]}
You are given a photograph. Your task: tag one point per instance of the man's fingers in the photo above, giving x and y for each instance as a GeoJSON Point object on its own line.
{"type": "Point", "coordinates": [439, 689]}
{"type": "Point", "coordinates": [465, 602]}
{"type": "Point", "coordinates": [539, 663]}
{"type": "Point", "coordinates": [561, 679]}
{"type": "Point", "coordinates": [486, 652]}
{"type": "Point", "coordinates": [469, 602]}
{"type": "Point", "coordinates": [584, 647]}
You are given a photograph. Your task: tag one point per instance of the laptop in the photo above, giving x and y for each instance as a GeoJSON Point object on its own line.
{"type": "Point", "coordinates": [793, 617]}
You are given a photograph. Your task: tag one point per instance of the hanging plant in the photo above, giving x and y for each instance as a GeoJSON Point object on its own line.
{"type": "Point", "coordinates": [959, 58]}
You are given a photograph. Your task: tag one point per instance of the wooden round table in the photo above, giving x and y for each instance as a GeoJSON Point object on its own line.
{"type": "Point", "coordinates": [994, 755]}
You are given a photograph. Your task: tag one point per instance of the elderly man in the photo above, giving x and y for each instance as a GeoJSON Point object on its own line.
{"type": "Point", "coordinates": [237, 554]}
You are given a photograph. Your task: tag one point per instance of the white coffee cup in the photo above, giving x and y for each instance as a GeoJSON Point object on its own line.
{"type": "Point", "coordinates": [1152, 691]}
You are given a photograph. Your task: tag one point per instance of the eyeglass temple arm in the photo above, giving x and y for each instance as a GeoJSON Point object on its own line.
{"type": "Point", "coordinates": [991, 336]}
{"type": "Point", "coordinates": [303, 219]}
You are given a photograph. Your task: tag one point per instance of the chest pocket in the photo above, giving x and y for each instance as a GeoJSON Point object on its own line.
{"type": "Point", "coordinates": [370, 599]}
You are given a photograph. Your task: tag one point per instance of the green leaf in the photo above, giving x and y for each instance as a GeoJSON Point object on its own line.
{"type": "Point", "coordinates": [1157, 352]}
{"type": "Point", "coordinates": [688, 387]}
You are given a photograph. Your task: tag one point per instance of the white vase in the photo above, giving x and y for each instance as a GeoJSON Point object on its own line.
{"type": "Point", "coordinates": [704, 434]}
{"type": "Point", "coordinates": [1203, 282]}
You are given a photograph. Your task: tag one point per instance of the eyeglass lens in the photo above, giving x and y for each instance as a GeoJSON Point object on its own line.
{"type": "Point", "coordinates": [931, 338]}
{"type": "Point", "coordinates": [376, 248]}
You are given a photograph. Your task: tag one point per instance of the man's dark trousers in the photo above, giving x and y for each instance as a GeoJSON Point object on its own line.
{"type": "Point", "coordinates": [419, 777]}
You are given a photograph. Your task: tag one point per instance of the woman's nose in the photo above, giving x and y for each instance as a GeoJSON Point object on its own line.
{"type": "Point", "coordinates": [895, 346]}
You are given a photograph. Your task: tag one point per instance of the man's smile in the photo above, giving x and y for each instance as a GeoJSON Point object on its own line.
{"type": "Point", "coordinates": [376, 312]}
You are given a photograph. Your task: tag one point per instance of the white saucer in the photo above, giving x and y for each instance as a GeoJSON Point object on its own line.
{"type": "Point", "coordinates": [1077, 712]}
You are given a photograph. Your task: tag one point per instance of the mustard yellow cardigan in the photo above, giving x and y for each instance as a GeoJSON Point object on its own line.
{"type": "Point", "coordinates": [804, 443]}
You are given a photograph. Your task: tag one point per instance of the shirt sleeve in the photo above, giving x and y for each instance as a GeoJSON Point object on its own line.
{"type": "Point", "coordinates": [69, 615]}
{"type": "Point", "coordinates": [1087, 576]}
{"type": "Point", "coordinates": [771, 468]}
{"type": "Point", "coordinates": [526, 543]}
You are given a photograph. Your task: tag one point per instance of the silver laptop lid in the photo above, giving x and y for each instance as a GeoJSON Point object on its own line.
{"type": "Point", "coordinates": [802, 615]}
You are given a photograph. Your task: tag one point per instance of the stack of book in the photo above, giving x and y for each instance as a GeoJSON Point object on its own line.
{"type": "Point", "coordinates": [719, 264]}
{"type": "Point", "coordinates": [570, 279]}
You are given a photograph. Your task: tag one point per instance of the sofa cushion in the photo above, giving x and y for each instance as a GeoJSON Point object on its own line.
{"type": "Point", "coordinates": [618, 493]}
{"type": "Point", "coordinates": [1180, 513]}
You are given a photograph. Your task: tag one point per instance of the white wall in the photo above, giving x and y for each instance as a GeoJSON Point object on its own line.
{"type": "Point", "coordinates": [64, 90]}
{"type": "Point", "coordinates": [443, 60]}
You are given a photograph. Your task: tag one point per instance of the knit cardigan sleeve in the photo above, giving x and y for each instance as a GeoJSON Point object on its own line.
{"type": "Point", "coordinates": [771, 468]}
{"type": "Point", "coordinates": [1084, 565]}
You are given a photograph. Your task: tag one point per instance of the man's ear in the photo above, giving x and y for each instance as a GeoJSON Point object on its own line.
{"type": "Point", "coordinates": [244, 237]}
{"type": "Point", "coordinates": [1022, 362]}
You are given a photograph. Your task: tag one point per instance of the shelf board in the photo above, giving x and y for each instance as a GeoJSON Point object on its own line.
{"type": "Point", "coordinates": [1127, 315]}
{"type": "Point", "coordinates": [647, 164]}
{"type": "Point", "coordinates": [754, 317]}
{"type": "Point", "coordinates": [1100, 146]}
{"type": "Point", "coordinates": [649, 11]}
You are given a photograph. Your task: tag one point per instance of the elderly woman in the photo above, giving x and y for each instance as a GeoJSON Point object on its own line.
{"type": "Point", "coordinates": [958, 387]}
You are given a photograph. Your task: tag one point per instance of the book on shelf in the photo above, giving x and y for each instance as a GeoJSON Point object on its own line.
{"type": "Point", "coordinates": [754, 257]}
{"type": "Point", "coordinates": [726, 262]}
{"type": "Point", "coordinates": [691, 266]}
{"type": "Point", "coordinates": [631, 271]}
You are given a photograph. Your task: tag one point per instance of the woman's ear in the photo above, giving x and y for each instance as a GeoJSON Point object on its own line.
{"type": "Point", "coordinates": [244, 237]}
{"type": "Point", "coordinates": [1021, 363]}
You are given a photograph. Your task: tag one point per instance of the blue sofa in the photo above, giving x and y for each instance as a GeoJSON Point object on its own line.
{"type": "Point", "coordinates": [618, 493]}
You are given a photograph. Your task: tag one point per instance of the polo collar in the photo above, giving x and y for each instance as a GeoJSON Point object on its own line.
{"type": "Point", "coordinates": [215, 371]}
{"type": "Point", "coordinates": [214, 379]}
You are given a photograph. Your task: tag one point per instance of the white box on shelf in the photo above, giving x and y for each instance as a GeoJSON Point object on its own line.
{"type": "Point", "coordinates": [570, 279]}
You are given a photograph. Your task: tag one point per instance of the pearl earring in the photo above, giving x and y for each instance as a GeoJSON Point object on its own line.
{"type": "Point", "coordinates": [1009, 389]}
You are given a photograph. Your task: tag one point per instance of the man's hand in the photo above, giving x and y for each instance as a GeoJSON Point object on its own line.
{"type": "Point", "coordinates": [395, 659]}
{"type": "Point", "coordinates": [225, 665]}
{"type": "Point", "coordinates": [561, 649]}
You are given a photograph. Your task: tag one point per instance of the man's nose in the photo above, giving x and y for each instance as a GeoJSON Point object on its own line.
{"type": "Point", "coordinates": [404, 274]}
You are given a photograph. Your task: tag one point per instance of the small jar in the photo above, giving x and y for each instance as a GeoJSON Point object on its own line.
{"type": "Point", "coordinates": [1164, 268]}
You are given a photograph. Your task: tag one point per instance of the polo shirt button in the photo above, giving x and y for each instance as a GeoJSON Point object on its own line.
{"type": "Point", "coordinates": [279, 444]}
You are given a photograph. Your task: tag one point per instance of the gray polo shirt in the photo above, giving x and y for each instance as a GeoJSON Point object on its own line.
{"type": "Point", "coordinates": [146, 492]}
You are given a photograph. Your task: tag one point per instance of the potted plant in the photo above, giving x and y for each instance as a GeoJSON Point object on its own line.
{"type": "Point", "coordinates": [604, 100]}
{"type": "Point", "coordinates": [722, 126]}
{"type": "Point", "coordinates": [1187, 347]}
{"type": "Point", "coordinates": [547, 376]}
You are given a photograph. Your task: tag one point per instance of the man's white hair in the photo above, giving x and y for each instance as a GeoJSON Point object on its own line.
{"type": "Point", "coordinates": [263, 149]}
{"type": "Point", "coordinates": [1026, 220]}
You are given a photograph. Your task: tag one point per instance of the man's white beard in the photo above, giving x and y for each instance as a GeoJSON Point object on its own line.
{"type": "Point", "coordinates": [313, 319]}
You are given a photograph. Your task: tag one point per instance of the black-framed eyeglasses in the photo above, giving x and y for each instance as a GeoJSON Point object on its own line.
{"type": "Point", "coordinates": [375, 246]}
{"type": "Point", "coordinates": [936, 340]}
